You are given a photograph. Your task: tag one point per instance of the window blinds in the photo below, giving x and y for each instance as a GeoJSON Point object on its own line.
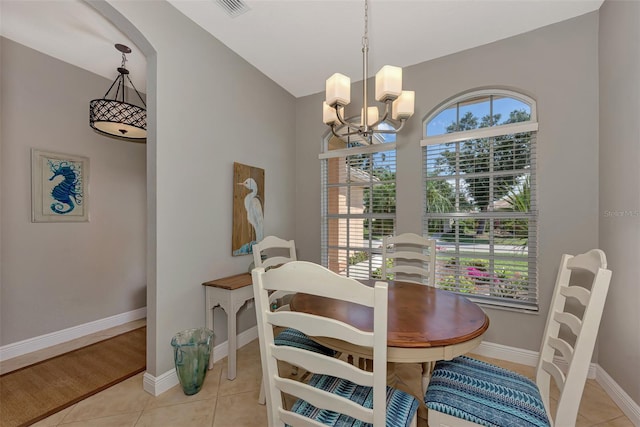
{"type": "Point", "coordinates": [480, 206]}
{"type": "Point", "coordinates": [358, 208]}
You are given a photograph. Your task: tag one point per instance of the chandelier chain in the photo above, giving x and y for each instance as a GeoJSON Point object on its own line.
{"type": "Point", "coordinates": [124, 60]}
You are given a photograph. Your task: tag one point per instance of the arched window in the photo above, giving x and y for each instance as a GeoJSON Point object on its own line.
{"type": "Point", "coordinates": [358, 203]}
{"type": "Point", "coordinates": [480, 196]}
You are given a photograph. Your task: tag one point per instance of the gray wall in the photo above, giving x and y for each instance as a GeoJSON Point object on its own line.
{"type": "Point", "coordinates": [59, 275]}
{"type": "Point", "coordinates": [619, 55]}
{"type": "Point", "coordinates": [557, 66]}
{"type": "Point", "coordinates": [208, 108]}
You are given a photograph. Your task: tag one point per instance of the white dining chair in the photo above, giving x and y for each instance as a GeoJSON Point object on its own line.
{"type": "Point", "coordinates": [468, 392]}
{"type": "Point", "coordinates": [273, 252]}
{"type": "Point", "coordinates": [337, 393]}
{"type": "Point", "coordinates": [410, 255]}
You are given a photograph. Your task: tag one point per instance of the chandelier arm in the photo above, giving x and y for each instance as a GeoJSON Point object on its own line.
{"type": "Point", "coordinates": [399, 128]}
{"type": "Point", "coordinates": [342, 135]}
{"type": "Point", "coordinates": [390, 131]}
{"type": "Point", "coordinates": [138, 93]}
{"type": "Point", "coordinates": [356, 132]}
{"type": "Point", "coordinates": [384, 116]}
{"type": "Point", "coordinates": [339, 116]}
{"type": "Point", "coordinates": [345, 122]}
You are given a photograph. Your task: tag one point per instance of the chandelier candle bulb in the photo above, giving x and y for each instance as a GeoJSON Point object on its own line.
{"type": "Point", "coordinates": [372, 116]}
{"type": "Point", "coordinates": [329, 114]}
{"type": "Point", "coordinates": [338, 90]}
{"type": "Point", "coordinates": [388, 83]}
{"type": "Point", "coordinates": [403, 106]}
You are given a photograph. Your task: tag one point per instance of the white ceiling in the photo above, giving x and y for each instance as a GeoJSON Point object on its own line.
{"type": "Point", "coordinates": [297, 43]}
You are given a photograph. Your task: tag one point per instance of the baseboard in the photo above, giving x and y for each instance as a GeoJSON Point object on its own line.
{"type": "Point", "coordinates": [20, 348]}
{"type": "Point", "coordinates": [630, 408]}
{"type": "Point", "coordinates": [163, 382]}
{"type": "Point", "coordinates": [521, 356]}
{"type": "Point", "coordinates": [510, 354]}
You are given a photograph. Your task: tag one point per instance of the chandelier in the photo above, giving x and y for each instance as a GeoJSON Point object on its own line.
{"type": "Point", "coordinates": [398, 103]}
{"type": "Point", "coordinates": [115, 117]}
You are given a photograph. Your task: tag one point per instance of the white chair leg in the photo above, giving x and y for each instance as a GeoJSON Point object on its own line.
{"type": "Point", "coordinates": [262, 399]}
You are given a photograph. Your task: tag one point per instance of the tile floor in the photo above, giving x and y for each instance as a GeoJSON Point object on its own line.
{"type": "Point", "coordinates": [234, 403]}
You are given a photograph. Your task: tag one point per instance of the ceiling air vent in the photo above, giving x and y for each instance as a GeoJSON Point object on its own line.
{"type": "Point", "coordinates": [233, 8]}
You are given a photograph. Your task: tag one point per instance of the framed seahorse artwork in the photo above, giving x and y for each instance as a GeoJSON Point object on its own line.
{"type": "Point", "coordinates": [248, 208]}
{"type": "Point", "coordinates": [59, 187]}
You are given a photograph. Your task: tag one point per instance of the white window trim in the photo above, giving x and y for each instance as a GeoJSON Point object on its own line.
{"type": "Point", "coordinates": [352, 151]}
{"type": "Point", "coordinates": [487, 132]}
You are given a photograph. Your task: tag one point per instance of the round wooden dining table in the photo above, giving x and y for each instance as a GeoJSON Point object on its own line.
{"type": "Point", "coordinates": [425, 324]}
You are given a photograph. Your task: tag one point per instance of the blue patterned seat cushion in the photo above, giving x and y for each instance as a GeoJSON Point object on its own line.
{"type": "Point", "coordinates": [294, 338]}
{"type": "Point", "coordinates": [485, 394]}
{"type": "Point", "coordinates": [401, 407]}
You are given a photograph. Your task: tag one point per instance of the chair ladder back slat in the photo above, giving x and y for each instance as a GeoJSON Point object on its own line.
{"type": "Point", "coordinates": [274, 262]}
{"type": "Point", "coordinates": [555, 371]}
{"type": "Point", "coordinates": [581, 294]}
{"type": "Point", "coordinates": [323, 399]}
{"type": "Point", "coordinates": [570, 320]}
{"type": "Point", "coordinates": [293, 419]}
{"type": "Point", "coordinates": [321, 364]}
{"type": "Point", "coordinates": [563, 347]}
{"type": "Point", "coordinates": [408, 269]}
{"type": "Point", "coordinates": [414, 256]}
{"type": "Point", "coordinates": [319, 326]}
{"type": "Point", "coordinates": [329, 284]}
{"type": "Point", "coordinates": [590, 261]}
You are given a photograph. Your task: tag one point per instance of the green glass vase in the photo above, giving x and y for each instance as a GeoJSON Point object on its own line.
{"type": "Point", "coordinates": [191, 352]}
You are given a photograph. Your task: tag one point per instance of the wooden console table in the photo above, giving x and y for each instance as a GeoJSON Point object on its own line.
{"type": "Point", "coordinates": [230, 293]}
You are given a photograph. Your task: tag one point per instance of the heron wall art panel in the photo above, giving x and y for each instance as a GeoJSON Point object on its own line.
{"type": "Point", "coordinates": [59, 187]}
{"type": "Point", "coordinates": [248, 208]}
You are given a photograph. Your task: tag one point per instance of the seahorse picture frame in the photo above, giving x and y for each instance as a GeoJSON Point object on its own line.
{"type": "Point", "coordinates": [59, 187]}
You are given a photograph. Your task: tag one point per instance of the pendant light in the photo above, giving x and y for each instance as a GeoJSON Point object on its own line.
{"type": "Point", "coordinates": [115, 117]}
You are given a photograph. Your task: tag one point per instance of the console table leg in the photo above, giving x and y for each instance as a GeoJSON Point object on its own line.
{"type": "Point", "coordinates": [233, 345]}
{"type": "Point", "coordinates": [209, 324]}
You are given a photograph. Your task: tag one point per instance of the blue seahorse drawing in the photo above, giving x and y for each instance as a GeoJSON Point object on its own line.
{"type": "Point", "coordinates": [67, 191]}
